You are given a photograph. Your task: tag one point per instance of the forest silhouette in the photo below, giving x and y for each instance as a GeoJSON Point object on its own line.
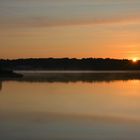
{"type": "Point", "coordinates": [69, 64]}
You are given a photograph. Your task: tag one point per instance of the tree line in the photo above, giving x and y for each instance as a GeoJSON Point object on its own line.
{"type": "Point", "coordinates": [69, 64]}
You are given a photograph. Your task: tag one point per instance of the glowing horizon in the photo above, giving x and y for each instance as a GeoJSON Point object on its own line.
{"type": "Point", "coordinates": [70, 28]}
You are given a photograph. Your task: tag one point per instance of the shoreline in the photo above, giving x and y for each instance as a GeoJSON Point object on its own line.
{"type": "Point", "coordinates": [9, 74]}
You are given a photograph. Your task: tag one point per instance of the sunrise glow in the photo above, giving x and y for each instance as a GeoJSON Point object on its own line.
{"type": "Point", "coordinates": [134, 60]}
{"type": "Point", "coordinates": [69, 28]}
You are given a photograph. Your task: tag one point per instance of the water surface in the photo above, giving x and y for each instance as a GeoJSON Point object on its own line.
{"type": "Point", "coordinates": [71, 106]}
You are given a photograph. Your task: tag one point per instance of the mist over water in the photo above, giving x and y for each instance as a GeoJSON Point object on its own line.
{"type": "Point", "coordinates": [58, 106]}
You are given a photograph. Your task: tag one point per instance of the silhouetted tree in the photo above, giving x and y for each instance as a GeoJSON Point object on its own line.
{"type": "Point", "coordinates": [69, 64]}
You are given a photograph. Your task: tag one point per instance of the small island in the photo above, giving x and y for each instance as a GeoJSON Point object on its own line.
{"type": "Point", "coordinates": [9, 74]}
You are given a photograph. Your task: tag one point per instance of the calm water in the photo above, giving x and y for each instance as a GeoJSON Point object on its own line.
{"type": "Point", "coordinates": [65, 106]}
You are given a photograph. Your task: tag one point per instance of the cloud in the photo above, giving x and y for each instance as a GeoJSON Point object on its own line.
{"type": "Point", "coordinates": [50, 13]}
{"type": "Point", "coordinates": [93, 21]}
{"type": "Point", "coordinates": [46, 22]}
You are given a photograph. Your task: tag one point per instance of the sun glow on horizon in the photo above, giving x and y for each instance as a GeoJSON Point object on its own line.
{"type": "Point", "coordinates": [134, 60]}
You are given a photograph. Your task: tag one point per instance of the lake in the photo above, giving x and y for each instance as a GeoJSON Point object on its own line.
{"type": "Point", "coordinates": [71, 106]}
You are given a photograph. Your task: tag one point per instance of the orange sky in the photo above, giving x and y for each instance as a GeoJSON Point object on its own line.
{"type": "Point", "coordinates": [92, 28]}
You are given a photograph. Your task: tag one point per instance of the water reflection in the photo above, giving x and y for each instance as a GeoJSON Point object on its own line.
{"type": "Point", "coordinates": [76, 77]}
{"type": "Point", "coordinates": [71, 106]}
{"type": "Point", "coordinates": [0, 85]}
